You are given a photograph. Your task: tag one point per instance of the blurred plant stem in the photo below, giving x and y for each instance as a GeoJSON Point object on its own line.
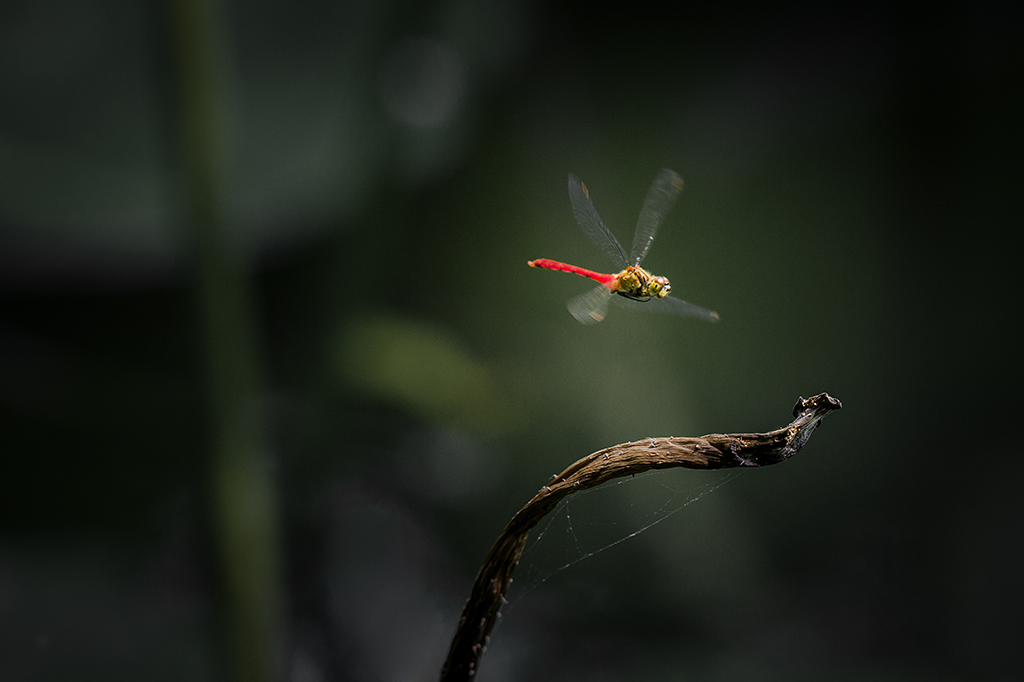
{"type": "Point", "coordinates": [244, 503]}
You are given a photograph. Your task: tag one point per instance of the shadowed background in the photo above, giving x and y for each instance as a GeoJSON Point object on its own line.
{"type": "Point", "coordinates": [849, 209]}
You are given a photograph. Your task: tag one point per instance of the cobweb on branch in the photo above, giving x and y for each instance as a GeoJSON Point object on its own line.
{"type": "Point", "coordinates": [584, 525]}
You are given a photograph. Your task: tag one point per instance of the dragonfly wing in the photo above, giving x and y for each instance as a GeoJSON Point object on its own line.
{"type": "Point", "coordinates": [591, 306]}
{"type": "Point", "coordinates": [590, 220]}
{"type": "Point", "coordinates": [660, 197]}
{"type": "Point", "coordinates": [671, 305]}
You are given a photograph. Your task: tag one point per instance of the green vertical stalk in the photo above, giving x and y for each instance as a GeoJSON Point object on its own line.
{"type": "Point", "coordinates": [244, 503]}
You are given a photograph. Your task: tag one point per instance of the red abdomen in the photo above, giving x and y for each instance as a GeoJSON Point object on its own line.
{"type": "Point", "coordinates": [565, 267]}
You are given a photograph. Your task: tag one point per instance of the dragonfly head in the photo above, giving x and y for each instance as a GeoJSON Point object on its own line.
{"type": "Point", "coordinates": [659, 286]}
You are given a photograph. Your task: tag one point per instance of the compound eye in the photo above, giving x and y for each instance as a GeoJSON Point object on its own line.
{"type": "Point", "coordinates": [660, 286]}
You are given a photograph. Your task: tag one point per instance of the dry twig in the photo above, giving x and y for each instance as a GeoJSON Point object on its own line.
{"type": "Point", "coordinates": [714, 451]}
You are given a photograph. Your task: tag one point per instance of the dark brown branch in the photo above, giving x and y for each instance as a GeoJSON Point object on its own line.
{"type": "Point", "coordinates": [714, 451]}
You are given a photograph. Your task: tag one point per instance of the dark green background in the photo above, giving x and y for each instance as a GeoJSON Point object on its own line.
{"type": "Point", "coordinates": [851, 205]}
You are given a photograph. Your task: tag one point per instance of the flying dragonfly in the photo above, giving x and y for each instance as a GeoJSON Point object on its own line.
{"type": "Point", "coordinates": [632, 283]}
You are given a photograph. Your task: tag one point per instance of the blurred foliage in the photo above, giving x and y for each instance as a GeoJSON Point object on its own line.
{"type": "Point", "coordinates": [423, 370]}
{"type": "Point", "coordinates": [849, 192]}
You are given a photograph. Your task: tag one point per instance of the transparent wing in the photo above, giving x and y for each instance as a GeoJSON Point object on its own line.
{"type": "Point", "coordinates": [671, 305]}
{"type": "Point", "coordinates": [587, 216]}
{"type": "Point", "coordinates": [591, 306]}
{"type": "Point", "coordinates": [660, 197]}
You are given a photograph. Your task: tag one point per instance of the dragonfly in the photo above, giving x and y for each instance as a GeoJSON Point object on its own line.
{"type": "Point", "coordinates": [632, 284]}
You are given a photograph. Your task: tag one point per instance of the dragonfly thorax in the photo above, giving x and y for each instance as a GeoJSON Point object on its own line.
{"type": "Point", "coordinates": [636, 283]}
